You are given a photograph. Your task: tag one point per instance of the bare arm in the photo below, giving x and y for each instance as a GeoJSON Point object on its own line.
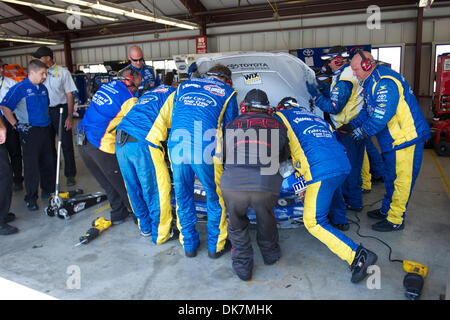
{"type": "Point", "coordinates": [70, 103]}
{"type": "Point", "coordinates": [9, 115]}
{"type": "Point", "coordinates": [2, 132]}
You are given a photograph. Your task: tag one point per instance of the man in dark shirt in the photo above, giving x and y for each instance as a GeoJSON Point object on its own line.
{"type": "Point", "coordinates": [255, 144]}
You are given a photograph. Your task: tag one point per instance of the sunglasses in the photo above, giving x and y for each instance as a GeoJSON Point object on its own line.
{"type": "Point", "coordinates": [137, 60]}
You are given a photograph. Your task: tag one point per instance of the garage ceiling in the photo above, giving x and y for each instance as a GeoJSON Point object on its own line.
{"type": "Point", "coordinates": [21, 20]}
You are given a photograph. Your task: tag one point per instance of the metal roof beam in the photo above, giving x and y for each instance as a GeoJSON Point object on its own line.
{"type": "Point", "coordinates": [38, 17]}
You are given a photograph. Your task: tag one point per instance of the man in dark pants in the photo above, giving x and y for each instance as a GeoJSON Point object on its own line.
{"type": "Point", "coordinates": [29, 101]}
{"type": "Point", "coordinates": [12, 136]}
{"type": "Point", "coordinates": [107, 108]}
{"type": "Point", "coordinates": [5, 186]}
{"type": "Point", "coordinates": [60, 86]}
{"type": "Point", "coordinates": [255, 145]}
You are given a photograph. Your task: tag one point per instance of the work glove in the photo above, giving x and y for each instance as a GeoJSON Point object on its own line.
{"type": "Point", "coordinates": [313, 90]}
{"type": "Point", "coordinates": [345, 129]}
{"type": "Point", "coordinates": [24, 128]}
{"type": "Point", "coordinates": [358, 134]}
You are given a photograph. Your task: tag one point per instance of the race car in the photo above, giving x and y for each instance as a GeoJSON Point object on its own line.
{"type": "Point", "coordinates": [279, 75]}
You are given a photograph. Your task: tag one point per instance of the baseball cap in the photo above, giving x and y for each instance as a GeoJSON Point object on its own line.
{"type": "Point", "coordinates": [257, 98]}
{"type": "Point", "coordinates": [43, 52]}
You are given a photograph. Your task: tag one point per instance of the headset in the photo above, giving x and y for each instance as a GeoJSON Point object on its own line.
{"type": "Point", "coordinates": [128, 80]}
{"type": "Point", "coordinates": [244, 105]}
{"type": "Point", "coordinates": [339, 61]}
{"type": "Point", "coordinates": [366, 64]}
{"type": "Point", "coordinates": [221, 75]}
{"type": "Point", "coordinates": [288, 102]}
{"type": "Point", "coordinates": [339, 58]}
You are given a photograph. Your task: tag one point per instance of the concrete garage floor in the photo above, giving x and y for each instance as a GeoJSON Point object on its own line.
{"type": "Point", "coordinates": [121, 264]}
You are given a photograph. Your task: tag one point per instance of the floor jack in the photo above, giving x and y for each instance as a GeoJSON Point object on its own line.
{"type": "Point", "coordinates": [65, 204]}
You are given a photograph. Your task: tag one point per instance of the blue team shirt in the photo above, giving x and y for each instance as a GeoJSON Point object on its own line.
{"type": "Point", "coordinates": [140, 119]}
{"type": "Point", "coordinates": [107, 108]}
{"type": "Point", "coordinates": [391, 111]}
{"type": "Point", "coordinates": [29, 102]}
{"type": "Point", "coordinates": [314, 148]}
{"type": "Point", "coordinates": [201, 106]}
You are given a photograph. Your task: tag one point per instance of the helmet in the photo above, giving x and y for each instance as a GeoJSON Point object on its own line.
{"type": "Point", "coordinates": [255, 98]}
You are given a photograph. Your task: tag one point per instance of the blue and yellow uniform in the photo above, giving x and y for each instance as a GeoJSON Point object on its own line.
{"type": "Point", "coordinates": [321, 160]}
{"type": "Point", "coordinates": [107, 108]}
{"type": "Point", "coordinates": [202, 107]}
{"type": "Point", "coordinates": [142, 161]}
{"type": "Point", "coordinates": [344, 104]}
{"type": "Point", "coordinates": [394, 116]}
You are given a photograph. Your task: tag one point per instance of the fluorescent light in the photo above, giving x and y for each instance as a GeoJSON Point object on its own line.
{"type": "Point", "coordinates": [132, 13]}
{"type": "Point", "coordinates": [60, 9]}
{"type": "Point", "coordinates": [425, 3]}
{"type": "Point", "coordinates": [29, 40]}
{"type": "Point", "coordinates": [107, 8]}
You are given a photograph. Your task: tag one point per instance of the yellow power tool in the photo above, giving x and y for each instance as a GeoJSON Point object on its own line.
{"type": "Point", "coordinates": [414, 279]}
{"type": "Point", "coordinates": [98, 226]}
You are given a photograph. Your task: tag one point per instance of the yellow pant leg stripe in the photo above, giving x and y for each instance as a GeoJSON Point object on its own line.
{"type": "Point", "coordinates": [163, 182]}
{"type": "Point", "coordinates": [404, 159]}
{"type": "Point", "coordinates": [337, 246]}
{"type": "Point", "coordinates": [365, 173]}
{"type": "Point", "coordinates": [218, 170]}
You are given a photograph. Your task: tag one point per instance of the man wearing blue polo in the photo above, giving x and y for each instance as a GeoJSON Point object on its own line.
{"type": "Point", "coordinates": [29, 101]}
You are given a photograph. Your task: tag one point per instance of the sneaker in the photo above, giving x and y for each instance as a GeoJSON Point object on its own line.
{"type": "Point", "coordinates": [192, 254]}
{"type": "Point", "coordinates": [146, 234]}
{"type": "Point", "coordinates": [269, 262]}
{"type": "Point", "coordinates": [9, 217]}
{"type": "Point", "coordinates": [117, 222]}
{"type": "Point", "coordinates": [353, 209]}
{"type": "Point", "coordinates": [376, 214]}
{"type": "Point", "coordinates": [386, 226]}
{"type": "Point", "coordinates": [363, 259]}
{"type": "Point", "coordinates": [244, 276]}
{"type": "Point", "coordinates": [226, 248]}
{"type": "Point", "coordinates": [342, 226]}
{"type": "Point", "coordinates": [32, 205]}
{"type": "Point", "coordinates": [174, 234]}
{"type": "Point", "coordinates": [6, 229]}
{"type": "Point", "coordinates": [70, 181]}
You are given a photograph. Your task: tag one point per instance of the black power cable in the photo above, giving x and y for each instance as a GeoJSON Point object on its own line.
{"type": "Point", "coordinates": [372, 237]}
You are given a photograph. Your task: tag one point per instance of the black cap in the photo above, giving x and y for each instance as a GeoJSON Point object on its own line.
{"type": "Point", "coordinates": [43, 52]}
{"type": "Point", "coordinates": [257, 97]}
